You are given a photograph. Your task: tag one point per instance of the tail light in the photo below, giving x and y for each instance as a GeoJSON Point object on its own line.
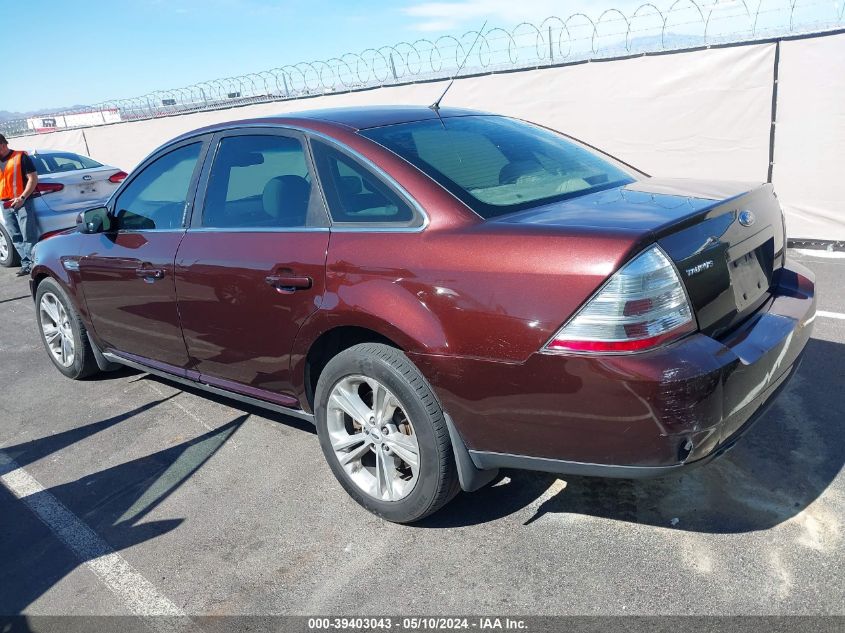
{"type": "Point", "coordinates": [118, 177]}
{"type": "Point", "coordinates": [43, 188]}
{"type": "Point", "coordinates": [643, 305]}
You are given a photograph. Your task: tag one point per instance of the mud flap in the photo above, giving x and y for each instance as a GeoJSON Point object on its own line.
{"type": "Point", "coordinates": [470, 476]}
{"type": "Point", "coordinates": [102, 362]}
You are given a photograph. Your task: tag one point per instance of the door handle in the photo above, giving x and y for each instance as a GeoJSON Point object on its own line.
{"type": "Point", "coordinates": [287, 284]}
{"type": "Point", "coordinates": [149, 274]}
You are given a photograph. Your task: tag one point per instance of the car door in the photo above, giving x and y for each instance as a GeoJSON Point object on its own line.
{"type": "Point", "coordinates": [127, 274]}
{"type": "Point", "coordinates": [251, 267]}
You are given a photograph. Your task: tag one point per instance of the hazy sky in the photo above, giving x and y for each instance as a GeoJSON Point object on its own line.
{"type": "Point", "coordinates": [85, 51]}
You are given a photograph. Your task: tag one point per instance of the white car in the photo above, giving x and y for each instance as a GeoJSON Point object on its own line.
{"type": "Point", "coordinates": [67, 184]}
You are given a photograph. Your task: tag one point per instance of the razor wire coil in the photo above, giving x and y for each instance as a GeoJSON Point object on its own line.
{"type": "Point", "coordinates": [554, 40]}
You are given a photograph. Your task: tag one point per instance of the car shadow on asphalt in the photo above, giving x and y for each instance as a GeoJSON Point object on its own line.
{"type": "Point", "coordinates": [780, 467]}
{"type": "Point", "coordinates": [136, 375]}
{"type": "Point", "coordinates": [113, 502]}
{"type": "Point", "coordinates": [281, 418]}
{"type": "Point", "coordinates": [121, 372]}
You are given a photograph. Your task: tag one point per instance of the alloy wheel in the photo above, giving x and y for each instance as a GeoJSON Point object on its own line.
{"type": "Point", "coordinates": [56, 329]}
{"type": "Point", "coordinates": [4, 246]}
{"type": "Point", "coordinates": [373, 438]}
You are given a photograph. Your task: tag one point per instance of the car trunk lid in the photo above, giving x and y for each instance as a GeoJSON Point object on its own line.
{"type": "Point", "coordinates": [725, 238]}
{"type": "Point", "coordinates": [80, 188]}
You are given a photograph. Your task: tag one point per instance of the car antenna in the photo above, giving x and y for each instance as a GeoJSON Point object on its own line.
{"type": "Point", "coordinates": [436, 105]}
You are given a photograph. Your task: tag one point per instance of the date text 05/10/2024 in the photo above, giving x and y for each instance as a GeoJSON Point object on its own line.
{"type": "Point", "coordinates": [417, 623]}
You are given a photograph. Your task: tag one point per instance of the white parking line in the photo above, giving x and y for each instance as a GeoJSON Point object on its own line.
{"type": "Point", "coordinates": [137, 593]}
{"type": "Point", "coordinates": [830, 315]}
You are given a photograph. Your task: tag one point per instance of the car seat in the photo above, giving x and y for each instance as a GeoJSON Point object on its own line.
{"type": "Point", "coordinates": [285, 199]}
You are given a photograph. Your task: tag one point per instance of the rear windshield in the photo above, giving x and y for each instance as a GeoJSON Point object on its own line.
{"type": "Point", "coordinates": [58, 162]}
{"type": "Point", "coordinates": [497, 165]}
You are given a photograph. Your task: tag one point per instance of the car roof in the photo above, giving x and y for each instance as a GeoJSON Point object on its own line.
{"type": "Point", "coordinates": [363, 117]}
{"type": "Point", "coordinates": [350, 118]}
{"type": "Point", "coordinates": [44, 152]}
{"type": "Point", "coordinates": [53, 152]}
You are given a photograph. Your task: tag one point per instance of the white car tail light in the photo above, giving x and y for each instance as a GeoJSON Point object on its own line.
{"type": "Point", "coordinates": [43, 188]}
{"type": "Point", "coordinates": [643, 305]}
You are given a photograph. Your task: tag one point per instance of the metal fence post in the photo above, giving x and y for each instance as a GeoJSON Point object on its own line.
{"type": "Point", "coordinates": [393, 68]}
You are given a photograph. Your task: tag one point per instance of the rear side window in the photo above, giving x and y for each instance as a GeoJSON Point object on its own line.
{"type": "Point", "coordinates": [61, 162]}
{"type": "Point", "coordinates": [261, 181]}
{"type": "Point", "coordinates": [355, 194]}
{"type": "Point", "coordinates": [155, 199]}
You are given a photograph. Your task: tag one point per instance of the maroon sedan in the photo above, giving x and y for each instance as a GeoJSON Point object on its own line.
{"type": "Point", "coordinates": [443, 293]}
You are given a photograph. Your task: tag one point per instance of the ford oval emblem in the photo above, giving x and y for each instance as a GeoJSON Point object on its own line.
{"type": "Point", "coordinates": [746, 217]}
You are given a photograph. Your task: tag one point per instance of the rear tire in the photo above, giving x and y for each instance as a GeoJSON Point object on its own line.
{"type": "Point", "coordinates": [8, 254]}
{"type": "Point", "coordinates": [398, 462]}
{"type": "Point", "coordinates": [62, 332]}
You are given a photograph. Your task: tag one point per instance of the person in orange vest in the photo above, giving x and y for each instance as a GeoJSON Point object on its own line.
{"type": "Point", "coordinates": [18, 180]}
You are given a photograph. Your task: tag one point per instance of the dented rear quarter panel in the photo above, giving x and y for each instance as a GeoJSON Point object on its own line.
{"type": "Point", "coordinates": [629, 409]}
{"type": "Point", "coordinates": [481, 291]}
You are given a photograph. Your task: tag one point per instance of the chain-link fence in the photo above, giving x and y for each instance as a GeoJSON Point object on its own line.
{"type": "Point", "coordinates": [612, 33]}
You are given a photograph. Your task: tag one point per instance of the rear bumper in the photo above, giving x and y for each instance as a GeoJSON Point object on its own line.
{"type": "Point", "coordinates": [488, 461]}
{"type": "Point", "coordinates": [629, 415]}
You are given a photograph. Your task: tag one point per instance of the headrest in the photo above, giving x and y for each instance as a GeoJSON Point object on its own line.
{"type": "Point", "coordinates": [286, 199]}
{"type": "Point", "coordinates": [511, 172]}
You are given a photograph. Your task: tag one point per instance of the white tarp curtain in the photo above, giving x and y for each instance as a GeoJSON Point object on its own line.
{"type": "Point", "coordinates": [810, 137]}
{"type": "Point", "coordinates": [70, 140]}
{"type": "Point", "coordinates": [701, 114]}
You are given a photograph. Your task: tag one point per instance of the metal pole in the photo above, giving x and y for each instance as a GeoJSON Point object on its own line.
{"type": "Point", "coordinates": [285, 80]}
{"type": "Point", "coordinates": [393, 68]}
{"type": "Point", "coordinates": [551, 47]}
{"type": "Point", "coordinates": [85, 139]}
{"type": "Point", "coordinates": [775, 72]}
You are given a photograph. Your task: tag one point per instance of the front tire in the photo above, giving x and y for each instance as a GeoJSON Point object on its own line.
{"type": "Point", "coordinates": [383, 433]}
{"type": "Point", "coordinates": [62, 332]}
{"type": "Point", "coordinates": [8, 253]}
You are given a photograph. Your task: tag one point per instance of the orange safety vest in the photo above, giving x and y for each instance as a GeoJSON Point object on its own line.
{"type": "Point", "coordinates": [11, 182]}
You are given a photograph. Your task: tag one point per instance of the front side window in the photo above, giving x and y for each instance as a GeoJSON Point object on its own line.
{"type": "Point", "coordinates": [355, 194]}
{"type": "Point", "coordinates": [497, 165]}
{"type": "Point", "coordinates": [261, 181]}
{"type": "Point", "coordinates": [155, 199]}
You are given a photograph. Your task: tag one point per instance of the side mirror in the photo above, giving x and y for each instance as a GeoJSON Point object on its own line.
{"type": "Point", "coordinates": [95, 220]}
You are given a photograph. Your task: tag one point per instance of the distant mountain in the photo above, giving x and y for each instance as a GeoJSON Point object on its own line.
{"type": "Point", "coordinates": [5, 115]}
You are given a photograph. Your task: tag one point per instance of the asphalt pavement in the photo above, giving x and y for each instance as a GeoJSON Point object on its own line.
{"type": "Point", "coordinates": [128, 494]}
